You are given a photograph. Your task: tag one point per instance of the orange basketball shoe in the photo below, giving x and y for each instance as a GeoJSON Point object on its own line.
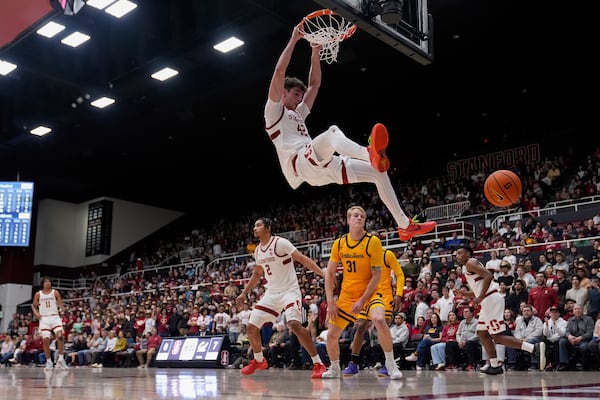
{"type": "Point", "coordinates": [378, 141]}
{"type": "Point", "coordinates": [253, 366]}
{"type": "Point", "coordinates": [416, 228]}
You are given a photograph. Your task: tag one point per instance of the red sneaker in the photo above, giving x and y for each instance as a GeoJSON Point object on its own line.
{"type": "Point", "coordinates": [378, 141]}
{"type": "Point", "coordinates": [253, 366]}
{"type": "Point", "coordinates": [416, 228]}
{"type": "Point", "coordinates": [318, 370]}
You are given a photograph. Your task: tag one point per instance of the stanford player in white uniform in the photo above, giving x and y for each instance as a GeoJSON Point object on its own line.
{"type": "Point", "coordinates": [330, 157]}
{"type": "Point", "coordinates": [484, 291]}
{"type": "Point", "coordinates": [46, 306]}
{"type": "Point", "coordinates": [275, 258]}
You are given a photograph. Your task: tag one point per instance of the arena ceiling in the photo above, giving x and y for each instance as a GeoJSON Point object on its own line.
{"type": "Point", "coordinates": [504, 74]}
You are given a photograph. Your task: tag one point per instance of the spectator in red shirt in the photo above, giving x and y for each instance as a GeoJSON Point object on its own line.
{"type": "Point", "coordinates": [140, 323]}
{"type": "Point", "coordinates": [194, 322]}
{"type": "Point", "coordinates": [163, 323]}
{"type": "Point", "coordinates": [153, 343]}
{"type": "Point", "coordinates": [542, 297]}
{"type": "Point", "coordinates": [33, 349]}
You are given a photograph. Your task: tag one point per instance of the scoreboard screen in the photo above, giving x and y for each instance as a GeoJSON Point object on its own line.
{"type": "Point", "coordinates": [16, 203]}
{"type": "Point", "coordinates": [193, 351]}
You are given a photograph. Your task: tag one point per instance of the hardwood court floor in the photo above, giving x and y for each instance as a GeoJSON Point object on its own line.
{"type": "Point", "coordinates": [31, 383]}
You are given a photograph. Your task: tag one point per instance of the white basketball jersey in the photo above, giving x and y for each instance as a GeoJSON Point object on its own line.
{"type": "Point", "coordinates": [48, 305]}
{"type": "Point", "coordinates": [278, 265]}
{"type": "Point", "coordinates": [475, 282]}
{"type": "Point", "coordinates": [289, 134]}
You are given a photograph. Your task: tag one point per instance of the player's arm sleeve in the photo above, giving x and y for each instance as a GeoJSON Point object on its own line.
{"type": "Point", "coordinates": [375, 251]}
{"type": "Point", "coordinates": [398, 272]}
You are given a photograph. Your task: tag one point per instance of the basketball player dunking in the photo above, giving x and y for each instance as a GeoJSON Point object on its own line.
{"type": "Point", "coordinates": [330, 157]}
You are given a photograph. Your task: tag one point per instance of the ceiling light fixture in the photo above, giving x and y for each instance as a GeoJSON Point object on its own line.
{"type": "Point", "coordinates": [75, 39]}
{"type": "Point", "coordinates": [164, 74]}
{"type": "Point", "coordinates": [6, 67]}
{"type": "Point", "coordinates": [121, 8]}
{"type": "Point", "coordinates": [227, 45]}
{"type": "Point", "coordinates": [99, 4]}
{"type": "Point", "coordinates": [50, 29]}
{"type": "Point", "coordinates": [40, 130]}
{"type": "Point", "coordinates": [102, 102]}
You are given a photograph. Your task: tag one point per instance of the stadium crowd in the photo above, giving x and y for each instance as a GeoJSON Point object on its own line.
{"type": "Point", "coordinates": [551, 291]}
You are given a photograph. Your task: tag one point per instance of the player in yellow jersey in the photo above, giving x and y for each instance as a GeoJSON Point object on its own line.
{"type": "Point", "coordinates": [361, 257]}
{"type": "Point", "coordinates": [382, 298]}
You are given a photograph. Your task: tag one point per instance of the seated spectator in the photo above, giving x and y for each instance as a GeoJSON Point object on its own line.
{"type": "Point", "coordinates": [528, 328]}
{"type": "Point", "coordinates": [580, 330]}
{"type": "Point", "coordinates": [466, 344]}
{"type": "Point", "coordinates": [33, 348]}
{"type": "Point", "coordinates": [82, 355]}
{"type": "Point", "coordinates": [7, 351]}
{"type": "Point", "coordinates": [96, 344]}
{"type": "Point", "coordinates": [449, 332]}
{"type": "Point", "coordinates": [152, 344]}
{"type": "Point", "coordinates": [79, 344]}
{"type": "Point", "coordinates": [554, 329]}
{"type": "Point", "coordinates": [20, 346]}
{"type": "Point", "coordinates": [431, 335]}
{"type": "Point", "coordinates": [276, 346]}
{"type": "Point", "coordinates": [123, 357]}
{"type": "Point", "coordinates": [400, 333]}
{"type": "Point", "coordinates": [106, 356]}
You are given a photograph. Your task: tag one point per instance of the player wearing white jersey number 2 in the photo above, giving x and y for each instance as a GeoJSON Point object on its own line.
{"type": "Point", "coordinates": [274, 257]}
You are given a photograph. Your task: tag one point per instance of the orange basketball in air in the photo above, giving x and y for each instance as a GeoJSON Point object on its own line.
{"type": "Point", "coordinates": [502, 188]}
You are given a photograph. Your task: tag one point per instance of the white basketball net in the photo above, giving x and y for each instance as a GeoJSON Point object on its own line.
{"type": "Point", "coordinates": [327, 31]}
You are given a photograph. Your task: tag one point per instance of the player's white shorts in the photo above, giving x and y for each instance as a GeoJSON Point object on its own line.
{"type": "Point", "coordinates": [491, 315]}
{"type": "Point", "coordinates": [319, 174]}
{"type": "Point", "coordinates": [270, 306]}
{"type": "Point", "coordinates": [50, 324]}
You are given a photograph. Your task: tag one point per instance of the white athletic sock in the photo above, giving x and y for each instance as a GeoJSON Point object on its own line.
{"type": "Point", "coordinates": [528, 347]}
{"type": "Point", "coordinates": [389, 357]}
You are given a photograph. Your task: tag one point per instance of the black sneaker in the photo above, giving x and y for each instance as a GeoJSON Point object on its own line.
{"type": "Point", "coordinates": [494, 370]}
